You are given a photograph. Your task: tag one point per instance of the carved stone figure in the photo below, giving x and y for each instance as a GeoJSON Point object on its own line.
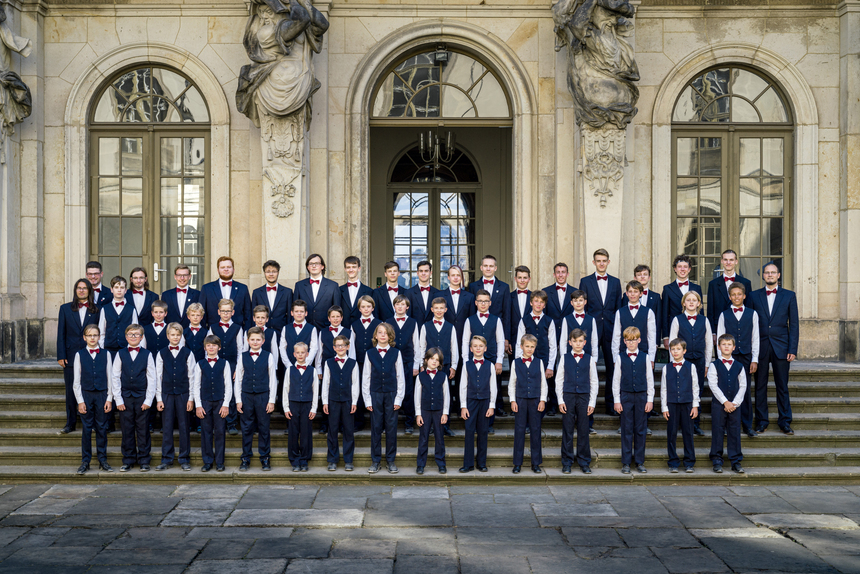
{"type": "Point", "coordinates": [601, 68]}
{"type": "Point", "coordinates": [15, 100]}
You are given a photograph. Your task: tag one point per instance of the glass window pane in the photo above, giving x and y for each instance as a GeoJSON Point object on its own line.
{"type": "Point", "coordinates": [132, 196]}
{"type": "Point", "coordinates": [410, 204]}
{"type": "Point", "coordinates": [710, 269]}
{"type": "Point", "coordinates": [688, 236]}
{"type": "Point", "coordinates": [750, 196]}
{"type": "Point", "coordinates": [195, 157]}
{"type": "Point", "coordinates": [129, 263]}
{"type": "Point", "coordinates": [171, 156]}
{"type": "Point", "coordinates": [110, 106]}
{"type": "Point", "coordinates": [772, 202]}
{"type": "Point", "coordinates": [710, 156]}
{"type": "Point", "coordinates": [750, 236]}
{"type": "Point", "coordinates": [171, 236]}
{"type": "Point", "coordinates": [110, 268]}
{"type": "Point", "coordinates": [710, 234]}
{"type": "Point", "coordinates": [192, 106]}
{"type": "Point", "coordinates": [771, 107]}
{"type": "Point", "coordinates": [132, 156]}
{"type": "Point", "coordinates": [139, 111]}
{"type": "Point", "coordinates": [131, 115]}
{"type": "Point", "coordinates": [709, 196]}
{"type": "Point", "coordinates": [168, 83]}
{"type": "Point", "coordinates": [750, 156]}
{"type": "Point", "coordinates": [751, 269]}
{"type": "Point", "coordinates": [461, 70]}
{"type": "Point", "coordinates": [743, 111]}
{"type": "Point", "coordinates": [686, 109]}
{"type": "Point", "coordinates": [166, 280]}
{"type": "Point", "coordinates": [108, 196]}
{"type": "Point", "coordinates": [455, 103]}
{"type": "Point", "coordinates": [163, 111]}
{"type": "Point", "coordinates": [713, 84]}
{"type": "Point", "coordinates": [108, 156]}
{"type": "Point", "coordinates": [747, 84]}
{"type": "Point", "coordinates": [192, 196]}
{"type": "Point", "coordinates": [382, 106]}
{"type": "Point", "coordinates": [717, 111]}
{"type": "Point", "coordinates": [425, 103]}
{"type": "Point", "coordinates": [772, 235]}
{"type": "Point", "coordinates": [108, 236]}
{"type": "Point", "coordinates": [687, 156]}
{"type": "Point", "coordinates": [687, 191]}
{"type": "Point", "coordinates": [197, 272]}
{"type": "Point", "coordinates": [490, 98]}
{"type": "Point", "coordinates": [774, 156]}
{"type": "Point", "coordinates": [194, 236]}
{"type": "Point", "coordinates": [132, 236]}
{"type": "Point", "coordinates": [170, 196]}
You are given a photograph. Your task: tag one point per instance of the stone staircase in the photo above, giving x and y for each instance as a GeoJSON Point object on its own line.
{"type": "Point", "coordinates": [825, 448]}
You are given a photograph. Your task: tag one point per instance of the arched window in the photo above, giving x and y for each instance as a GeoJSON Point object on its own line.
{"type": "Point", "coordinates": [149, 144]}
{"type": "Point", "coordinates": [732, 148]}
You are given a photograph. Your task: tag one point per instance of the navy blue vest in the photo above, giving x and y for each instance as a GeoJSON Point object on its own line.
{"type": "Point", "coordinates": [383, 377]}
{"type": "Point", "coordinates": [255, 374]}
{"type": "Point", "coordinates": [478, 380]}
{"type": "Point", "coordinates": [740, 326]}
{"type": "Point", "coordinates": [727, 378]}
{"type": "Point", "coordinates": [541, 331]}
{"type": "Point", "coordinates": [633, 377]}
{"type": "Point", "coordinates": [403, 341]}
{"type": "Point", "coordinates": [174, 371]}
{"type": "Point", "coordinates": [528, 378]}
{"type": "Point", "coordinates": [291, 338]}
{"type": "Point", "coordinates": [340, 380]}
{"type": "Point", "coordinates": [694, 335]}
{"type": "Point", "coordinates": [441, 339]}
{"type": "Point", "coordinates": [577, 375]}
{"type": "Point", "coordinates": [587, 326]}
{"type": "Point", "coordinates": [364, 337]}
{"type": "Point", "coordinates": [194, 342]}
{"type": "Point", "coordinates": [487, 331]}
{"type": "Point", "coordinates": [212, 380]}
{"type": "Point", "coordinates": [155, 341]}
{"type": "Point", "coordinates": [93, 371]}
{"type": "Point", "coordinates": [133, 372]}
{"type": "Point", "coordinates": [270, 335]}
{"type": "Point", "coordinates": [228, 350]}
{"type": "Point", "coordinates": [115, 325]}
{"type": "Point", "coordinates": [640, 321]}
{"type": "Point", "coordinates": [432, 390]}
{"type": "Point", "coordinates": [679, 384]}
{"type": "Point", "coordinates": [302, 384]}
{"type": "Point", "coordinates": [327, 340]}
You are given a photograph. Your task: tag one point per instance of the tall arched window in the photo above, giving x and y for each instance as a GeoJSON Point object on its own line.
{"type": "Point", "coordinates": [149, 174]}
{"type": "Point", "coordinates": [732, 148]}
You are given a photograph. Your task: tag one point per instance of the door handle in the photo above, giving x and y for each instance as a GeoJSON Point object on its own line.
{"type": "Point", "coordinates": [156, 271]}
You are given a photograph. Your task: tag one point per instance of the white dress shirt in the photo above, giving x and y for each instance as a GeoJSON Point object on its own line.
{"type": "Point", "coordinates": [353, 291]}
{"type": "Point", "coordinates": [318, 363]}
{"type": "Point", "coordinates": [500, 338]}
{"type": "Point", "coordinates": [756, 344]}
{"type": "Point", "coordinates": [392, 295]}
{"type": "Point", "coordinates": [82, 312]}
{"type": "Point", "coordinates": [709, 348]}
{"type": "Point", "coordinates": [729, 283]}
{"type": "Point", "coordinates": [455, 299]}
{"type": "Point", "coordinates": [273, 377]}
{"type": "Point", "coordinates": [713, 384]}
{"type": "Point", "coordinates": [553, 344]}
{"type": "Point", "coordinates": [565, 334]}
{"type": "Point", "coordinates": [271, 295]}
{"type": "Point", "coordinates": [354, 387]}
{"type": "Point", "coordinates": [116, 377]}
{"type": "Point", "coordinates": [159, 369]}
{"type": "Point", "coordinates": [398, 371]}
{"type": "Point", "coordinates": [593, 383]}
{"type": "Point", "coordinates": [315, 287]}
{"type": "Point", "coordinates": [602, 284]}
{"type": "Point", "coordinates": [180, 299]}
{"type": "Point", "coordinates": [650, 337]}
{"type": "Point", "coordinates": [446, 397]}
{"type": "Point", "coordinates": [416, 343]}
{"type": "Point", "coordinates": [683, 288]}
{"type": "Point", "coordinates": [512, 384]}
{"type": "Point", "coordinates": [313, 347]}
{"type": "Point", "coordinates": [226, 290]}
{"type": "Point", "coordinates": [464, 388]}
{"type": "Point", "coordinates": [616, 381]}
{"type": "Point", "coordinates": [197, 376]}
{"type": "Point", "coordinates": [285, 397]}
{"type": "Point", "coordinates": [770, 298]}
{"type": "Point", "coordinates": [425, 294]}
{"type": "Point", "coordinates": [453, 352]}
{"type": "Point", "coordinates": [522, 301]}
{"type": "Point", "coordinates": [561, 294]}
{"type": "Point", "coordinates": [139, 300]}
{"type": "Point", "coordinates": [76, 386]}
{"type": "Point", "coordinates": [664, 391]}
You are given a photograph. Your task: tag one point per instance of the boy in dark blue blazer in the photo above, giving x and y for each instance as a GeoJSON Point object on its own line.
{"type": "Point", "coordinates": [383, 296]}
{"type": "Point", "coordinates": [174, 365]}
{"type": "Point", "coordinates": [603, 297]}
{"type": "Point", "coordinates": [674, 291]}
{"type": "Point", "coordinates": [225, 287]}
{"type": "Point", "coordinates": [274, 296]}
{"type": "Point", "coordinates": [633, 389]}
{"type": "Point", "coordinates": [352, 290]}
{"type": "Point", "coordinates": [718, 288]}
{"type": "Point", "coordinates": [232, 338]}
{"type": "Point", "coordinates": [742, 323]}
{"type": "Point", "coordinates": [649, 298]}
{"type": "Point", "coordinates": [140, 296]}
{"type": "Point", "coordinates": [93, 391]}
{"type": "Point", "coordinates": [520, 304]}
{"type": "Point", "coordinates": [319, 293]}
{"type": "Point", "coordinates": [73, 320]}
{"type": "Point", "coordinates": [180, 298]}
{"type": "Point", "coordinates": [558, 301]}
{"type": "Point", "coordinates": [459, 302]}
{"type": "Point", "coordinates": [101, 293]}
{"type": "Point", "coordinates": [421, 295]}
{"type": "Point", "coordinates": [133, 379]}
{"type": "Point", "coordinates": [576, 387]}
{"type": "Point", "coordinates": [679, 397]}
{"type": "Point", "coordinates": [728, 383]}
{"type": "Point", "coordinates": [500, 294]}
{"type": "Point", "coordinates": [778, 318]}
{"type": "Point", "coordinates": [115, 317]}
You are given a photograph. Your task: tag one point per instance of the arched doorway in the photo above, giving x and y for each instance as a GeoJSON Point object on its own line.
{"type": "Point", "coordinates": [440, 166]}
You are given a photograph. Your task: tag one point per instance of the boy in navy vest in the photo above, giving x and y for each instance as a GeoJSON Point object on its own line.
{"type": "Point", "coordinates": [255, 389]}
{"type": "Point", "coordinates": [576, 386]}
{"type": "Point", "coordinates": [477, 399]}
{"type": "Point", "coordinates": [541, 326]}
{"type": "Point", "coordinates": [298, 331]}
{"type": "Point", "coordinates": [527, 391]}
{"type": "Point", "coordinates": [340, 399]}
{"type": "Point", "coordinates": [173, 367]}
{"type": "Point", "coordinates": [741, 322]}
{"type": "Point", "coordinates": [116, 315]}
{"type": "Point", "coordinates": [194, 335]}
{"type": "Point", "coordinates": [260, 314]}
{"type": "Point", "coordinates": [363, 329]}
{"type": "Point", "coordinates": [431, 408]}
{"type": "Point", "coordinates": [579, 319]}
{"type": "Point", "coordinates": [212, 387]}
{"type": "Point", "coordinates": [326, 350]}
{"type": "Point", "coordinates": [485, 324]}
{"type": "Point", "coordinates": [441, 334]}
{"type": "Point", "coordinates": [406, 339]}
{"type": "Point", "coordinates": [728, 383]}
{"type": "Point", "coordinates": [383, 386]}
{"type": "Point", "coordinates": [633, 314]}
{"type": "Point", "coordinates": [679, 397]}
{"type": "Point", "coordinates": [133, 372]}
{"type": "Point", "coordinates": [694, 330]}
{"type": "Point", "coordinates": [92, 388]}
{"type": "Point", "coordinates": [232, 339]}
{"type": "Point", "coordinates": [301, 389]}
{"type": "Point", "coordinates": [633, 388]}
{"type": "Point", "coordinates": [154, 340]}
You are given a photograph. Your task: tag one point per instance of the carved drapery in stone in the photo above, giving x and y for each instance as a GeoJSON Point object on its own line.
{"type": "Point", "coordinates": [15, 100]}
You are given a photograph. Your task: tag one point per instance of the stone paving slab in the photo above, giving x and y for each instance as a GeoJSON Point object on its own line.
{"type": "Point", "coordinates": [273, 566]}
{"type": "Point", "coordinates": [298, 517]}
{"type": "Point", "coordinates": [828, 542]}
{"type": "Point", "coordinates": [248, 532]}
{"type": "Point", "coordinates": [339, 566]}
{"type": "Point", "coordinates": [784, 521]}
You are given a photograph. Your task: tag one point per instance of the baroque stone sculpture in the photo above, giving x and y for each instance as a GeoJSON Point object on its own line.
{"type": "Point", "coordinates": [15, 100]}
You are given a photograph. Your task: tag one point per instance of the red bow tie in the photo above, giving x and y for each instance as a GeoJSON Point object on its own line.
{"type": "Point", "coordinates": [529, 360]}
{"type": "Point", "coordinates": [677, 364]}
{"type": "Point", "coordinates": [135, 292]}
{"type": "Point", "coordinates": [632, 355]}
{"type": "Point", "coordinates": [738, 309]}
{"type": "Point", "coordinates": [645, 293]}
{"type": "Point", "coordinates": [577, 356]}
{"type": "Point", "coordinates": [691, 317]}
{"type": "Point", "coordinates": [535, 318]}
{"type": "Point", "coordinates": [255, 353]}
{"type": "Point", "coordinates": [603, 278]}
{"type": "Point", "coordinates": [579, 315]}
{"type": "Point", "coordinates": [634, 307]}
{"type": "Point", "coordinates": [158, 325]}
{"type": "Point", "coordinates": [172, 348]}
{"type": "Point", "coordinates": [400, 318]}
{"type": "Point", "coordinates": [522, 291]}
{"type": "Point", "coordinates": [771, 292]}
{"type": "Point", "coordinates": [120, 304]}
{"type": "Point", "coordinates": [211, 360]}
{"type": "Point", "coordinates": [437, 322]}
{"type": "Point", "coordinates": [275, 288]}
{"type": "Point", "coordinates": [424, 288]}
{"type": "Point", "coordinates": [194, 329]}
{"type": "Point", "coordinates": [348, 284]}
{"type": "Point", "coordinates": [560, 288]}
{"type": "Point", "coordinates": [226, 283]}
{"type": "Point", "coordinates": [302, 367]}
{"type": "Point", "coordinates": [315, 281]}
{"type": "Point", "coordinates": [395, 289]}
{"type": "Point", "coordinates": [484, 315]}
{"type": "Point", "coordinates": [727, 278]}
{"type": "Point", "coordinates": [489, 281]}
{"type": "Point", "coordinates": [431, 372]}
{"type": "Point", "coordinates": [130, 349]}
{"type": "Point", "coordinates": [178, 290]}
{"type": "Point", "coordinates": [97, 289]}
{"type": "Point", "coordinates": [382, 350]}
{"type": "Point", "coordinates": [298, 326]}
{"type": "Point", "coordinates": [453, 292]}
{"type": "Point", "coordinates": [684, 284]}
{"type": "Point", "coordinates": [479, 362]}
{"type": "Point", "coordinates": [339, 360]}
{"type": "Point", "coordinates": [334, 329]}
{"type": "Point", "coordinates": [727, 362]}
{"type": "Point", "coordinates": [225, 325]}
{"type": "Point", "coordinates": [94, 351]}
{"type": "Point", "coordinates": [366, 321]}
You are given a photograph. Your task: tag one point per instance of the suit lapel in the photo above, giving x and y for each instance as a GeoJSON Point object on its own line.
{"type": "Point", "coordinates": [278, 296]}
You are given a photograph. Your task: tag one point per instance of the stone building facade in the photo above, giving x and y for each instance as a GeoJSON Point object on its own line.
{"type": "Point", "coordinates": [771, 169]}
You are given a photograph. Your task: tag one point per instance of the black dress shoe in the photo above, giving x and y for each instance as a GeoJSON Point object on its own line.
{"type": "Point", "coordinates": [443, 470]}
{"type": "Point", "coordinates": [697, 431]}
{"type": "Point", "coordinates": [65, 430]}
{"type": "Point", "coordinates": [374, 468]}
{"type": "Point", "coordinates": [550, 412]}
{"type": "Point", "coordinates": [348, 467]}
{"type": "Point", "coordinates": [718, 468]}
{"type": "Point", "coordinates": [787, 430]}
{"type": "Point", "coordinates": [220, 467]}
{"type": "Point", "coordinates": [105, 467]}
{"type": "Point", "coordinates": [267, 465]}
{"type": "Point", "coordinates": [467, 468]}
{"type": "Point", "coordinates": [83, 468]}
{"type": "Point", "coordinates": [419, 470]}
{"type": "Point", "coordinates": [751, 433]}
{"type": "Point", "coordinates": [304, 468]}
{"type": "Point", "coordinates": [565, 469]}
{"type": "Point", "coordinates": [232, 431]}
{"type": "Point", "coordinates": [206, 468]}
{"type": "Point", "coordinates": [126, 467]}
{"type": "Point", "coordinates": [673, 469]}
{"type": "Point", "coordinates": [625, 469]}
{"type": "Point", "coordinates": [297, 468]}
{"type": "Point", "coordinates": [585, 469]}
{"type": "Point", "coordinates": [323, 429]}
{"type": "Point", "coordinates": [647, 431]}
{"type": "Point", "coordinates": [760, 429]}
{"type": "Point", "coordinates": [491, 430]}
{"type": "Point", "coordinates": [517, 469]}
{"type": "Point", "coordinates": [185, 466]}
{"type": "Point", "coordinates": [144, 468]}
{"type": "Point", "coordinates": [409, 429]}
{"type": "Point", "coordinates": [482, 469]}
{"type": "Point", "coordinates": [392, 468]}
{"type": "Point", "coordinates": [536, 469]}
{"type": "Point", "coordinates": [641, 468]}
{"type": "Point", "coordinates": [501, 413]}
{"type": "Point", "coordinates": [447, 432]}
{"type": "Point", "coordinates": [528, 430]}
{"type": "Point", "coordinates": [244, 466]}
{"type": "Point", "coordinates": [163, 466]}
{"type": "Point", "coordinates": [738, 468]}
{"type": "Point", "coordinates": [592, 432]}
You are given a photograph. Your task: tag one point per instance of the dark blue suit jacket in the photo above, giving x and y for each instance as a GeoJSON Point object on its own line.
{"type": "Point", "coordinates": [351, 314]}
{"type": "Point", "coordinates": [211, 294]}
{"type": "Point", "coordinates": [603, 312]}
{"type": "Point", "coordinates": [555, 312]}
{"type": "Point", "coordinates": [278, 316]}
{"type": "Point", "coordinates": [328, 296]}
{"type": "Point", "coordinates": [144, 317]}
{"type": "Point", "coordinates": [174, 313]}
{"type": "Point", "coordinates": [781, 328]}
{"type": "Point", "coordinates": [671, 304]}
{"type": "Point", "coordinates": [461, 314]}
{"type": "Point", "coordinates": [500, 302]}
{"type": "Point", "coordinates": [514, 316]}
{"type": "Point", "coordinates": [718, 298]}
{"type": "Point", "coordinates": [103, 297]}
{"type": "Point", "coordinates": [655, 304]}
{"type": "Point", "coordinates": [384, 309]}
{"type": "Point", "coordinates": [417, 310]}
{"type": "Point", "coordinates": [70, 331]}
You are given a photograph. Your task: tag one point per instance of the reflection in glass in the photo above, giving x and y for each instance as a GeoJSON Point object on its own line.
{"type": "Point", "coordinates": [687, 194]}
{"type": "Point", "coordinates": [709, 196]}
{"type": "Point", "coordinates": [709, 269]}
{"type": "Point", "coordinates": [751, 267]}
{"type": "Point", "coordinates": [132, 235]}
{"type": "Point", "coordinates": [410, 204]}
{"type": "Point", "coordinates": [747, 84]}
{"type": "Point", "coordinates": [129, 263]}
{"type": "Point", "coordinates": [711, 236]}
{"type": "Point", "coordinates": [194, 156]}
{"type": "Point", "coordinates": [109, 236]}
{"type": "Point", "coordinates": [688, 235]}
{"type": "Point", "coordinates": [772, 235]}
{"type": "Point", "coordinates": [750, 236]}
{"type": "Point", "coordinates": [151, 95]}
{"type": "Point", "coordinates": [717, 111]}
{"type": "Point", "coordinates": [110, 266]}
{"type": "Point", "coordinates": [171, 236]}
{"type": "Point", "coordinates": [192, 106]}
{"type": "Point", "coordinates": [110, 106]}
{"type": "Point", "coordinates": [171, 156]}
{"type": "Point", "coordinates": [108, 196]}
{"type": "Point", "coordinates": [687, 156]}
{"type": "Point", "coordinates": [743, 111]}
{"type": "Point", "coordinates": [750, 203]}
{"type": "Point", "coordinates": [108, 156]}
{"type": "Point", "coordinates": [132, 156]}
{"type": "Point", "coordinates": [425, 103]}
{"type": "Point", "coordinates": [170, 196]}
{"type": "Point", "coordinates": [771, 107]}
{"type": "Point", "coordinates": [710, 156]}
{"type": "Point", "coordinates": [774, 156]}
{"type": "Point", "coordinates": [456, 104]}
{"type": "Point", "coordinates": [192, 196]}
{"type": "Point", "coordinates": [686, 109]}
{"type": "Point", "coordinates": [750, 156]}
{"type": "Point", "coordinates": [132, 196]}
{"type": "Point", "coordinates": [773, 193]}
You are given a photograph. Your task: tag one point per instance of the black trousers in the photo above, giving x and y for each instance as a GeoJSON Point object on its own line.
{"type": "Point", "coordinates": [746, 402]}
{"type": "Point", "coordinates": [233, 416]}
{"type": "Point", "coordinates": [730, 423]}
{"type": "Point", "coordinates": [702, 374]}
{"type": "Point", "coordinates": [679, 417]}
{"type": "Point", "coordinates": [338, 414]}
{"type": "Point", "coordinates": [478, 422]}
{"type": "Point", "coordinates": [300, 445]}
{"type": "Point", "coordinates": [71, 401]}
{"type": "Point", "coordinates": [634, 421]}
{"type": "Point", "coordinates": [407, 407]}
{"type": "Point", "coordinates": [527, 415]}
{"type": "Point", "coordinates": [136, 442]}
{"type": "Point", "coordinates": [212, 430]}
{"type": "Point", "coordinates": [175, 416]}
{"type": "Point", "coordinates": [95, 419]}
{"type": "Point", "coordinates": [382, 417]}
{"type": "Point", "coordinates": [255, 418]}
{"type": "Point", "coordinates": [609, 398]}
{"type": "Point", "coordinates": [768, 360]}
{"type": "Point", "coordinates": [576, 417]}
{"type": "Point", "coordinates": [434, 419]}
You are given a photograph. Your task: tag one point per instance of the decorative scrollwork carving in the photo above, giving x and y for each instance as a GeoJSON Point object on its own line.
{"type": "Point", "coordinates": [282, 206]}
{"type": "Point", "coordinates": [605, 160]}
